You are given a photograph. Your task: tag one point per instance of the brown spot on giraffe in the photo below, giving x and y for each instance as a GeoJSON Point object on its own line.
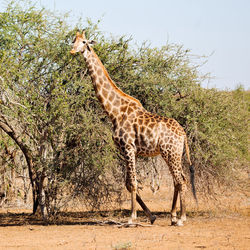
{"type": "Point", "coordinates": [108, 106]}
{"type": "Point", "coordinates": [137, 132]}
{"type": "Point", "coordinates": [104, 93]}
{"type": "Point", "coordinates": [123, 109]}
{"type": "Point", "coordinates": [111, 95]}
{"type": "Point", "coordinates": [116, 102]}
{"type": "Point", "coordinates": [99, 72]}
{"type": "Point", "coordinates": [106, 85]}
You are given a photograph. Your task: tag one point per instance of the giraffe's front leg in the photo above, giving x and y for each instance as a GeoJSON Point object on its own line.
{"type": "Point", "coordinates": [151, 217]}
{"type": "Point", "coordinates": [133, 207]}
{"type": "Point", "coordinates": [131, 185]}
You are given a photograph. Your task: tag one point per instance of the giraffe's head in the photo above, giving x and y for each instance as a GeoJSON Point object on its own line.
{"type": "Point", "coordinates": [80, 43]}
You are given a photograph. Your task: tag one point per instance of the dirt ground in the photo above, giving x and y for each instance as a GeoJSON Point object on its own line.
{"type": "Point", "coordinates": [225, 232]}
{"type": "Point", "coordinates": [206, 228]}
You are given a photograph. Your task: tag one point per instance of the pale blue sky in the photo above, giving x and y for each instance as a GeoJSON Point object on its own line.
{"type": "Point", "coordinates": [217, 27]}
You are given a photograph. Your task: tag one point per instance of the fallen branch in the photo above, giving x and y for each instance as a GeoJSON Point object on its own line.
{"type": "Point", "coordinates": [120, 224]}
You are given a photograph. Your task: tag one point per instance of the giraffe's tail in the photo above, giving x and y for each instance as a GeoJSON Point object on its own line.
{"type": "Point", "coordinates": [191, 169]}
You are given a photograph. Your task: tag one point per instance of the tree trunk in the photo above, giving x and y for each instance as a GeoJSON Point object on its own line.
{"type": "Point", "coordinates": [28, 156]}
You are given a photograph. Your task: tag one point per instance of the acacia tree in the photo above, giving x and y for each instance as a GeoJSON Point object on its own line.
{"type": "Point", "coordinates": [44, 106]}
{"type": "Point", "coordinates": [26, 87]}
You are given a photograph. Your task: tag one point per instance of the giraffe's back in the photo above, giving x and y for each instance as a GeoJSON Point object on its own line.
{"type": "Point", "coordinates": [156, 133]}
{"type": "Point", "coordinates": [147, 133]}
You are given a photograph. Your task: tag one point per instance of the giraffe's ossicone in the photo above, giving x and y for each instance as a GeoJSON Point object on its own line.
{"type": "Point", "coordinates": [137, 131]}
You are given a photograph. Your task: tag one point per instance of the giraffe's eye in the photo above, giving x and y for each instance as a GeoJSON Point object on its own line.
{"type": "Point", "coordinates": [84, 42]}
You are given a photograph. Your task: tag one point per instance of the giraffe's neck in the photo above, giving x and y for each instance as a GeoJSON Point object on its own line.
{"type": "Point", "coordinates": [113, 99]}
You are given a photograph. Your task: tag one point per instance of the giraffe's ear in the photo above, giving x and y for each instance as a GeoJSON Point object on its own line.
{"type": "Point", "coordinates": [92, 42]}
{"type": "Point", "coordinates": [83, 33]}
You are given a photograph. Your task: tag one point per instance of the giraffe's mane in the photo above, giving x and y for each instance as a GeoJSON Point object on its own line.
{"type": "Point", "coordinates": [112, 82]}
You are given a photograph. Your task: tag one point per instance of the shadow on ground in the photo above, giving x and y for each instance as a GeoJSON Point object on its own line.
{"type": "Point", "coordinates": [80, 218]}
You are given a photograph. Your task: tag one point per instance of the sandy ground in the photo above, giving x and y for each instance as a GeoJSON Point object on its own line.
{"type": "Point", "coordinates": [221, 225]}
{"type": "Point", "coordinates": [201, 232]}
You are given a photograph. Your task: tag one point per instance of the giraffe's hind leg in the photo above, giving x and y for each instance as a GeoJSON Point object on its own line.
{"type": "Point", "coordinates": [182, 192]}
{"type": "Point", "coordinates": [174, 203]}
{"type": "Point", "coordinates": [180, 188]}
{"type": "Point", "coordinates": [183, 204]}
{"type": "Point", "coordinates": [174, 163]}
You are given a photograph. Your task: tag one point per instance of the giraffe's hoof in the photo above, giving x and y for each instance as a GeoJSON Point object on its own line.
{"type": "Point", "coordinates": [179, 223]}
{"type": "Point", "coordinates": [130, 221]}
{"type": "Point", "coordinates": [183, 218]}
{"type": "Point", "coordinates": [173, 223]}
{"type": "Point", "coordinates": [152, 219]}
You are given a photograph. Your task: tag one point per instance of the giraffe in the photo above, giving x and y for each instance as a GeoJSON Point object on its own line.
{"type": "Point", "coordinates": [137, 132]}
